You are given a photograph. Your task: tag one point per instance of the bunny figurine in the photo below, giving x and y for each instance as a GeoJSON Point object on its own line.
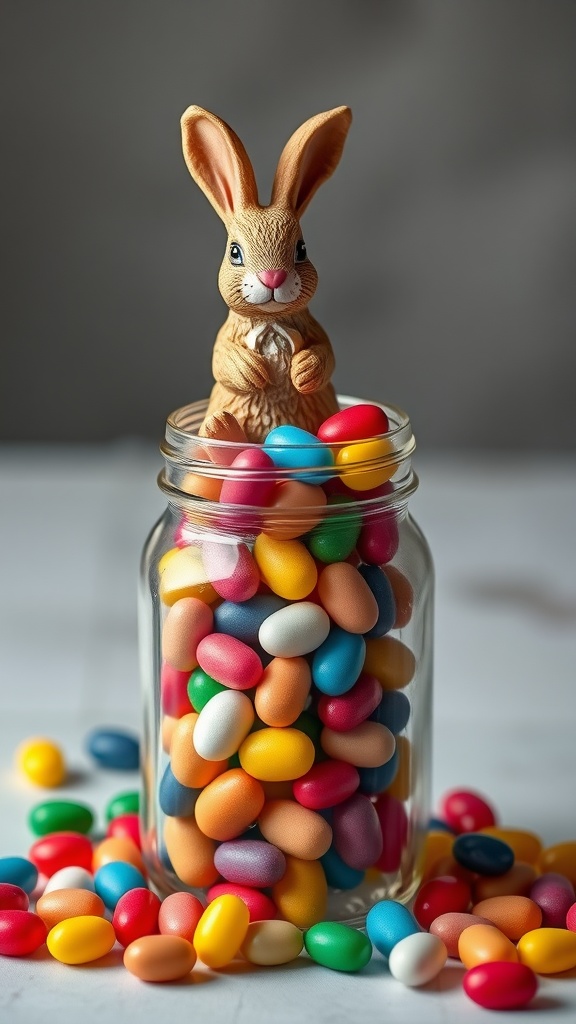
{"type": "Point", "coordinates": [272, 362]}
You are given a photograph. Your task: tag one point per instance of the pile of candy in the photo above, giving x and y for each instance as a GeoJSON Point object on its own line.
{"type": "Point", "coordinates": [492, 897]}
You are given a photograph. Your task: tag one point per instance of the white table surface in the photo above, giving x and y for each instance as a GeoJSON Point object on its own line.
{"type": "Point", "coordinates": [503, 534]}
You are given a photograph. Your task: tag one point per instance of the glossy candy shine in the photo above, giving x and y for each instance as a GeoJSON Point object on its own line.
{"type": "Point", "coordinates": [500, 986]}
{"type": "Point", "coordinates": [337, 946]}
{"type": "Point", "coordinates": [21, 932]}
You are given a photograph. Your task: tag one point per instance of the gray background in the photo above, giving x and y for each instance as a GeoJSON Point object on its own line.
{"type": "Point", "coordinates": [445, 242]}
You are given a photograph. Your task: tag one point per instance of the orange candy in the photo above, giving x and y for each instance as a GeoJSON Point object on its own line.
{"type": "Point", "coordinates": [229, 805]}
{"type": "Point", "coordinates": [117, 848]}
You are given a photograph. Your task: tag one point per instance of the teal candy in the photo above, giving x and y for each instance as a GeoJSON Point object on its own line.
{"type": "Point", "coordinates": [340, 875]}
{"type": "Point", "coordinates": [114, 879]}
{"type": "Point", "coordinates": [293, 448]}
{"type": "Point", "coordinates": [338, 946]}
{"type": "Point", "coordinates": [387, 922]}
{"type": "Point", "coordinates": [338, 662]}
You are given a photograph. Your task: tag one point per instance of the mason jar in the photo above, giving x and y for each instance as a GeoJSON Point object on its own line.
{"type": "Point", "coordinates": [286, 647]}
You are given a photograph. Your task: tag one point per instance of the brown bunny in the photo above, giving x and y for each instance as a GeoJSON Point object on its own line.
{"type": "Point", "coordinates": [272, 361]}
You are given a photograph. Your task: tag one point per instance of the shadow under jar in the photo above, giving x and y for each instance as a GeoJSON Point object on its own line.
{"type": "Point", "coordinates": [286, 642]}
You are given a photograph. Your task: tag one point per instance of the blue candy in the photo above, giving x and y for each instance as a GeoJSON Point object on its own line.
{"type": "Point", "coordinates": [487, 855]}
{"type": "Point", "coordinates": [19, 871]}
{"type": "Point", "coordinates": [437, 825]}
{"type": "Point", "coordinates": [382, 589]}
{"type": "Point", "coordinates": [243, 619]}
{"type": "Point", "coordinates": [338, 874]}
{"type": "Point", "coordinates": [387, 922]}
{"type": "Point", "coordinates": [114, 748]}
{"type": "Point", "coordinates": [114, 879]}
{"type": "Point", "coordinates": [376, 780]}
{"type": "Point", "coordinates": [393, 711]}
{"type": "Point", "coordinates": [338, 662]}
{"type": "Point", "coordinates": [293, 448]}
{"type": "Point", "coordinates": [175, 799]}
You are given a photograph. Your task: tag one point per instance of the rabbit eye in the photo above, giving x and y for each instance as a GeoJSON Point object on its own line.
{"type": "Point", "coordinates": [236, 255]}
{"type": "Point", "coordinates": [300, 254]}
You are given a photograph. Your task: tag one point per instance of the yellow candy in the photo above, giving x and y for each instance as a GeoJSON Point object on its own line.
{"type": "Point", "coordinates": [286, 566]}
{"type": "Point", "coordinates": [401, 785]}
{"type": "Point", "coordinates": [182, 574]}
{"type": "Point", "coordinates": [526, 845]}
{"type": "Point", "coordinates": [221, 930]}
{"type": "Point", "coordinates": [548, 950]}
{"type": "Point", "coordinates": [371, 453]}
{"type": "Point", "coordinates": [78, 940]}
{"type": "Point", "coordinates": [301, 894]}
{"type": "Point", "coordinates": [277, 755]}
{"type": "Point", "coordinates": [391, 661]}
{"type": "Point", "coordinates": [560, 858]}
{"type": "Point", "coordinates": [436, 846]}
{"type": "Point", "coordinates": [42, 762]}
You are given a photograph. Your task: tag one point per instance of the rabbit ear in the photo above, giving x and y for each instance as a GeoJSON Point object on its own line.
{"type": "Point", "coordinates": [218, 162]}
{"type": "Point", "coordinates": [309, 157]}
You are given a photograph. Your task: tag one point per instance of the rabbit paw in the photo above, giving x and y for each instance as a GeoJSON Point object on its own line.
{"type": "Point", "coordinates": [307, 371]}
{"type": "Point", "coordinates": [222, 426]}
{"type": "Point", "coordinates": [248, 371]}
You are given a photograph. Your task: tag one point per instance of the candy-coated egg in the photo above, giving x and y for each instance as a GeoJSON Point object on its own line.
{"type": "Point", "coordinates": [229, 661]}
{"type": "Point", "coordinates": [466, 811]}
{"type": "Point", "coordinates": [123, 803]}
{"type": "Point", "coordinates": [295, 630]}
{"type": "Point", "coordinates": [355, 423]}
{"type": "Point", "coordinates": [286, 566]}
{"type": "Point", "coordinates": [229, 805]}
{"type": "Point", "coordinates": [301, 895]}
{"type": "Point", "coordinates": [179, 914]}
{"type": "Point", "coordinates": [174, 691]}
{"type": "Point", "coordinates": [116, 878]}
{"type": "Point", "coordinates": [337, 663]}
{"type": "Point", "coordinates": [554, 895]}
{"type": "Point", "coordinates": [403, 593]}
{"type": "Point", "coordinates": [116, 848]}
{"type": "Point", "coordinates": [517, 881]}
{"type": "Point", "coordinates": [379, 538]}
{"type": "Point", "coordinates": [335, 536]}
{"type": "Point", "coordinates": [357, 833]}
{"type": "Point", "coordinates": [158, 958]}
{"type": "Point", "coordinates": [350, 709]}
{"type": "Point", "coordinates": [250, 480]}
{"type": "Point", "coordinates": [183, 576]}
{"type": "Point", "coordinates": [338, 874]}
{"type": "Point", "coordinates": [188, 766]}
{"type": "Point", "coordinates": [500, 986]}
{"type": "Point", "coordinates": [260, 906]}
{"type": "Point", "coordinates": [394, 825]}
{"type": "Point", "coordinates": [294, 829]}
{"type": "Point", "coordinates": [59, 904]}
{"type": "Point", "coordinates": [548, 950]}
{"type": "Point", "coordinates": [526, 845]}
{"type": "Point", "coordinates": [277, 755]}
{"type": "Point", "coordinates": [231, 569]}
{"type": "Point", "coordinates": [337, 946]}
{"type": "Point", "coordinates": [293, 509]}
{"type": "Point", "coordinates": [441, 896]}
{"type": "Point", "coordinates": [560, 858]}
{"type": "Point", "coordinates": [221, 930]}
{"type": "Point", "coordinates": [387, 923]}
{"type": "Point", "coordinates": [366, 464]}
{"type": "Point", "coordinates": [21, 932]}
{"type": "Point", "coordinates": [283, 691]}
{"type": "Point", "coordinates": [79, 940]}
{"type": "Point", "coordinates": [417, 959]}
{"type": "Point", "coordinates": [250, 862]}
{"type": "Point", "coordinates": [60, 816]}
{"type": "Point", "coordinates": [347, 597]}
{"type": "Point", "coordinates": [482, 943]}
{"type": "Point", "coordinates": [450, 926]}
{"type": "Point", "coordinates": [61, 850]}
{"type": "Point", "coordinates": [135, 915]}
{"type": "Point", "coordinates": [19, 871]}
{"type": "Point", "coordinates": [368, 745]}
{"type": "Point", "coordinates": [191, 852]}
{"type": "Point", "coordinates": [223, 724]}
{"type": "Point", "coordinates": [186, 624]}
{"type": "Point", "coordinates": [41, 761]}
{"type": "Point", "coordinates": [292, 448]}
{"type": "Point", "coordinates": [269, 943]}
{"type": "Point", "coordinates": [13, 897]}
{"type": "Point", "coordinates": [391, 661]}
{"type": "Point", "coordinates": [513, 915]}
{"type": "Point", "coordinates": [326, 784]}
{"type": "Point", "coordinates": [125, 826]}
{"type": "Point", "coordinates": [483, 854]}
{"type": "Point", "coordinates": [70, 878]}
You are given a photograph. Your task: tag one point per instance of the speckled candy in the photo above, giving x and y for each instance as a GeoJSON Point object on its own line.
{"type": "Point", "coordinates": [483, 854]}
{"type": "Point", "coordinates": [283, 691]}
{"type": "Point", "coordinates": [357, 832]}
{"type": "Point", "coordinates": [277, 755]}
{"type": "Point", "coordinates": [337, 663]}
{"type": "Point", "coordinates": [231, 569]}
{"type": "Point", "coordinates": [554, 894]}
{"type": "Point", "coordinates": [250, 862]}
{"type": "Point", "coordinates": [387, 923]}
{"type": "Point", "coordinates": [187, 623]}
{"type": "Point", "coordinates": [229, 661]}
{"type": "Point", "coordinates": [229, 805]}
{"type": "Point", "coordinates": [513, 915]}
{"type": "Point", "coordinates": [296, 830]}
{"type": "Point", "coordinates": [286, 566]}
{"type": "Point", "coordinates": [347, 597]}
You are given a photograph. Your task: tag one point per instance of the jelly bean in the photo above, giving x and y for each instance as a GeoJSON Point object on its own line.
{"type": "Point", "coordinates": [381, 588]}
{"type": "Point", "coordinates": [357, 833]}
{"type": "Point", "coordinates": [355, 423]}
{"type": "Point", "coordinates": [270, 943]}
{"type": "Point", "coordinates": [482, 943]}
{"type": "Point", "coordinates": [561, 859]}
{"type": "Point", "coordinates": [338, 874]}
{"type": "Point", "coordinates": [250, 862]}
{"type": "Point", "coordinates": [260, 906]}
{"type": "Point", "coordinates": [167, 727]}
{"type": "Point", "coordinates": [400, 785]}
{"type": "Point", "coordinates": [435, 824]}
{"type": "Point", "coordinates": [513, 915]}
{"type": "Point", "coordinates": [250, 482]}
{"type": "Point", "coordinates": [517, 881]}
{"type": "Point", "coordinates": [189, 768]}
{"type": "Point", "coordinates": [417, 959]}
{"type": "Point", "coordinates": [79, 940]}
{"type": "Point", "coordinates": [174, 691]}
{"type": "Point", "coordinates": [286, 566]}
{"type": "Point", "coordinates": [116, 878]}
{"type": "Point", "coordinates": [221, 930]}
{"type": "Point", "coordinates": [337, 663]}
{"type": "Point", "coordinates": [223, 724]}
{"type": "Point", "coordinates": [437, 846]}
{"type": "Point", "coordinates": [337, 946]}
{"type": "Point", "coordinates": [379, 538]}
{"type": "Point", "coordinates": [554, 895]}
{"type": "Point", "coordinates": [13, 897]}
{"type": "Point", "coordinates": [347, 597]}
{"type": "Point", "coordinates": [326, 784]}
{"type": "Point", "coordinates": [526, 845]}
{"type": "Point", "coordinates": [42, 762]}
{"type": "Point", "coordinates": [440, 896]}
{"type": "Point", "coordinates": [353, 707]}
{"type": "Point", "coordinates": [61, 850]}
{"type": "Point", "coordinates": [387, 923]}
{"type": "Point", "coordinates": [244, 620]}
{"type": "Point", "coordinates": [158, 958]}
{"type": "Point", "coordinates": [548, 950]}
{"type": "Point", "coordinates": [296, 630]}
{"type": "Point", "coordinates": [123, 803]}
{"type": "Point", "coordinates": [70, 878]}
{"type": "Point", "coordinates": [295, 449]}
{"type": "Point", "coordinates": [277, 755]}
{"type": "Point", "coordinates": [183, 577]}
{"type": "Point", "coordinates": [174, 798]}
{"type": "Point", "coordinates": [59, 816]}
{"type": "Point", "coordinates": [191, 852]}
{"type": "Point", "coordinates": [60, 904]}
{"type": "Point", "coordinates": [366, 464]}
{"type": "Point", "coordinates": [116, 848]}
{"type": "Point", "coordinates": [369, 745]}
{"type": "Point", "coordinates": [484, 854]}
{"type": "Point", "coordinates": [229, 805]}
{"type": "Point", "coordinates": [19, 871]}
{"type": "Point", "coordinates": [393, 711]}
{"type": "Point", "coordinates": [229, 661]}
{"type": "Point", "coordinates": [21, 932]}
{"type": "Point", "coordinates": [376, 780]}
{"type": "Point", "coordinates": [283, 691]}
{"type": "Point", "coordinates": [201, 487]}
{"type": "Point", "coordinates": [571, 918]}
{"type": "Point", "coordinates": [302, 894]}
{"type": "Point", "coordinates": [466, 811]}
{"type": "Point", "coordinates": [294, 829]}
{"type": "Point", "coordinates": [335, 537]}
{"type": "Point", "coordinates": [179, 915]}
{"type": "Point", "coordinates": [394, 825]}
{"type": "Point", "coordinates": [450, 926]}
{"type": "Point", "coordinates": [390, 661]}
{"type": "Point", "coordinates": [135, 915]}
{"type": "Point", "coordinates": [500, 986]}
{"type": "Point", "coordinates": [114, 748]}
{"type": "Point", "coordinates": [201, 689]}
{"type": "Point", "coordinates": [312, 727]}
{"type": "Point", "coordinates": [125, 826]}
{"type": "Point", "coordinates": [293, 509]}
{"type": "Point", "coordinates": [187, 623]}
{"type": "Point", "coordinates": [403, 594]}
{"type": "Point", "coordinates": [231, 570]}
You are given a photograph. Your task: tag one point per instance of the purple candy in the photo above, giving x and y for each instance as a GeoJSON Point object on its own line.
{"type": "Point", "coordinates": [554, 894]}
{"type": "Point", "coordinates": [357, 832]}
{"type": "Point", "coordinates": [250, 862]}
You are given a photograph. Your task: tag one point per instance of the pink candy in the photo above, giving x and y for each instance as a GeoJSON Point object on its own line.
{"type": "Point", "coordinates": [326, 784]}
{"type": "Point", "coordinates": [248, 488]}
{"type": "Point", "coordinates": [259, 904]}
{"type": "Point", "coordinates": [229, 661]}
{"type": "Point", "coordinates": [174, 691]}
{"type": "Point", "coordinates": [353, 707]}
{"type": "Point", "coordinates": [231, 570]}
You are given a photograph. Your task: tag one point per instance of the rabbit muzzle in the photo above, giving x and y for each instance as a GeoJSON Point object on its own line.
{"type": "Point", "coordinates": [259, 293]}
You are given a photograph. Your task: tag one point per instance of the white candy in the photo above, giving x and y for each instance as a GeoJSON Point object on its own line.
{"type": "Point", "coordinates": [222, 724]}
{"type": "Point", "coordinates": [295, 630]}
{"type": "Point", "coordinates": [70, 878]}
{"type": "Point", "coordinates": [417, 958]}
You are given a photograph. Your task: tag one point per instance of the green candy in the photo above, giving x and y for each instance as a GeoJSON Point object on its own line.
{"type": "Point", "coordinates": [123, 803]}
{"type": "Point", "coordinates": [60, 816]}
{"type": "Point", "coordinates": [336, 536]}
{"type": "Point", "coordinates": [338, 946]}
{"type": "Point", "coordinates": [201, 689]}
{"type": "Point", "coordinates": [234, 761]}
{"type": "Point", "coordinates": [310, 725]}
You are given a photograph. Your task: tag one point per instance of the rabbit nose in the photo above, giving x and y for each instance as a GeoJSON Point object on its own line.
{"type": "Point", "coordinates": [272, 278]}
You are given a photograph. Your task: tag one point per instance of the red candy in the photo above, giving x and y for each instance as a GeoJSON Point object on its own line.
{"type": "Point", "coordinates": [174, 691]}
{"type": "Point", "coordinates": [12, 897]}
{"type": "Point", "coordinates": [443, 895]}
{"type": "Point", "coordinates": [394, 825]}
{"type": "Point", "coordinates": [260, 906]}
{"type": "Point", "coordinates": [125, 826]}
{"type": "Point", "coordinates": [326, 784]}
{"type": "Point", "coordinates": [356, 423]}
{"type": "Point", "coordinates": [135, 915]}
{"type": "Point", "coordinates": [353, 707]}
{"type": "Point", "coordinates": [61, 850]}
{"type": "Point", "coordinates": [245, 487]}
{"type": "Point", "coordinates": [21, 932]}
{"type": "Point", "coordinates": [500, 985]}
{"type": "Point", "coordinates": [179, 915]}
{"type": "Point", "coordinates": [466, 811]}
{"type": "Point", "coordinates": [379, 539]}
{"type": "Point", "coordinates": [571, 918]}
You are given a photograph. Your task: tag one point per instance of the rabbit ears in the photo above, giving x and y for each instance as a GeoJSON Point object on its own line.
{"type": "Point", "coordinates": [221, 167]}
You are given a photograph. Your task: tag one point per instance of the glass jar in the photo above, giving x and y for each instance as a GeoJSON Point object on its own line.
{"type": "Point", "coordinates": [286, 663]}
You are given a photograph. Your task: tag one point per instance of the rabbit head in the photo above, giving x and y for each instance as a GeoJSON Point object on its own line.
{"type": "Point", "coordinates": [265, 273]}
